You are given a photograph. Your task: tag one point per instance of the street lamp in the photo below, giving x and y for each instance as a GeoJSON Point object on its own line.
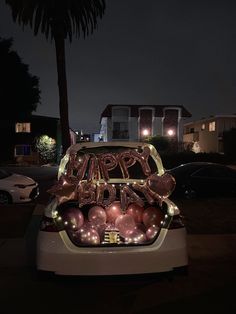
{"type": "Point", "coordinates": [145, 132]}
{"type": "Point", "coordinates": [170, 132]}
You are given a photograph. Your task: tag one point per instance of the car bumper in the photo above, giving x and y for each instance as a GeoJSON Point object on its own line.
{"type": "Point", "coordinates": [56, 253]}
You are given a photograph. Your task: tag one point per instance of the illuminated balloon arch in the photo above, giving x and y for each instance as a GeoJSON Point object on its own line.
{"type": "Point", "coordinates": [85, 178]}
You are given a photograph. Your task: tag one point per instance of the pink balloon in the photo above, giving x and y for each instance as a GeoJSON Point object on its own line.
{"type": "Point", "coordinates": [87, 235]}
{"type": "Point", "coordinates": [101, 230]}
{"type": "Point", "coordinates": [152, 232]}
{"type": "Point", "coordinates": [152, 216]}
{"type": "Point", "coordinates": [141, 227]}
{"type": "Point", "coordinates": [97, 215]}
{"type": "Point", "coordinates": [125, 224]}
{"type": "Point", "coordinates": [135, 211]}
{"type": "Point", "coordinates": [136, 236]}
{"type": "Point", "coordinates": [89, 224]}
{"type": "Point", "coordinates": [73, 217]}
{"type": "Point", "coordinates": [113, 211]}
{"type": "Point", "coordinates": [162, 185]}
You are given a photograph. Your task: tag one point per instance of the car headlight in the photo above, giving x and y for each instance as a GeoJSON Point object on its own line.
{"type": "Point", "coordinates": [21, 186]}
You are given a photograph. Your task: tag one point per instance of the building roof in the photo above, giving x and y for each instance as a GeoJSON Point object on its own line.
{"type": "Point", "coordinates": [40, 117]}
{"type": "Point", "coordinates": [210, 118]}
{"type": "Point", "coordinates": [134, 109]}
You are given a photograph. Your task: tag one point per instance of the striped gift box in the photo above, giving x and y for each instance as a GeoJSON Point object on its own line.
{"type": "Point", "coordinates": [112, 236]}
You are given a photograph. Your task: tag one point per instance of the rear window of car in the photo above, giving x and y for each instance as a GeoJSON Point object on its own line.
{"type": "Point", "coordinates": [185, 169]}
{"type": "Point", "coordinates": [135, 171]}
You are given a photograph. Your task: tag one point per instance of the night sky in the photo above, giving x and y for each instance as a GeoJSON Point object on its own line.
{"type": "Point", "coordinates": [153, 52]}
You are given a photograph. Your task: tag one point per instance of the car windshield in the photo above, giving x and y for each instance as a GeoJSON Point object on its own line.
{"type": "Point", "coordinates": [4, 174]}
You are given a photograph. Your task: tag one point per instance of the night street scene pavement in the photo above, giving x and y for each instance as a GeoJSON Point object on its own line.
{"type": "Point", "coordinates": [208, 286]}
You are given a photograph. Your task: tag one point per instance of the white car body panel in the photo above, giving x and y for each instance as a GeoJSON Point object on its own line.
{"type": "Point", "coordinates": [56, 253]}
{"type": "Point", "coordinates": [19, 195]}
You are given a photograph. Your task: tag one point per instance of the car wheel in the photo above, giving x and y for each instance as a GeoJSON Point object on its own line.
{"type": "Point", "coordinates": [5, 198]}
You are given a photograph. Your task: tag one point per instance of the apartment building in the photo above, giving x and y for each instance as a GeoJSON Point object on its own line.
{"type": "Point", "coordinates": [136, 122]}
{"type": "Point", "coordinates": [206, 135]}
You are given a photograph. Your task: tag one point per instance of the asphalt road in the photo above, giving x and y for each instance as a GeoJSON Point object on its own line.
{"type": "Point", "coordinates": [209, 286]}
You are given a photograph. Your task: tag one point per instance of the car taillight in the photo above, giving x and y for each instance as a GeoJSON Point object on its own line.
{"type": "Point", "coordinates": [48, 224]}
{"type": "Point", "coordinates": [176, 222]}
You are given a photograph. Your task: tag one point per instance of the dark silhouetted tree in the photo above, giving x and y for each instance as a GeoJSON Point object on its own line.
{"type": "Point", "coordinates": [59, 20]}
{"type": "Point", "coordinates": [19, 90]}
{"type": "Point", "coordinates": [161, 143]}
{"type": "Point", "coordinates": [229, 138]}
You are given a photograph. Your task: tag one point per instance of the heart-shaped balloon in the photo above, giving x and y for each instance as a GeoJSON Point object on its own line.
{"type": "Point", "coordinates": [162, 185]}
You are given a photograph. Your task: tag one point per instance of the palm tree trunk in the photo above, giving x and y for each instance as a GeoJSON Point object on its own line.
{"type": "Point", "coordinates": [62, 86]}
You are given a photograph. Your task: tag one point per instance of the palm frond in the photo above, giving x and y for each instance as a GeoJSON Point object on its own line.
{"type": "Point", "coordinates": [73, 17]}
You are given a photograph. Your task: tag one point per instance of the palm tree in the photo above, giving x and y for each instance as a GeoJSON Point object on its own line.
{"type": "Point", "coordinates": [59, 20]}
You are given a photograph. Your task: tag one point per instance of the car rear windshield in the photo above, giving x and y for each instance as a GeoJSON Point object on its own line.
{"type": "Point", "coordinates": [135, 171]}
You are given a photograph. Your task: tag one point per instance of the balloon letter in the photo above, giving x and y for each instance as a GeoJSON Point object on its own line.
{"type": "Point", "coordinates": [86, 193]}
{"type": "Point", "coordinates": [100, 194]}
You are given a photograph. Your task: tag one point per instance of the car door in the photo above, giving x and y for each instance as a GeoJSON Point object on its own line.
{"type": "Point", "coordinates": [212, 180]}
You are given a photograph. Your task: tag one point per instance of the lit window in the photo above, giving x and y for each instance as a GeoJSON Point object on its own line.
{"type": "Point", "coordinates": [203, 126]}
{"type": "Point", "coordinates": [212, 126]}
{"type": "Point", "coordinates": [22, 150]}
{"type": "Point", "coordinates": [22, 127]}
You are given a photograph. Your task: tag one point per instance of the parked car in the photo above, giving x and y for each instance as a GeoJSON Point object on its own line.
{"type": "Point", "coordinates": [203, 179]}
{"type": "Point", "coordinates": [110, 214]}
{"type": "Point", "coordinates": [16, 188]}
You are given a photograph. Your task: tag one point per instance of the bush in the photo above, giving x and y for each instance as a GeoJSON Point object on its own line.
{"type": "Point", "coordinates": [46, 147]}
{"type": "Point", "coordinates": [229, 137]}
{"type": "Point", "coordinates": [161, 143]}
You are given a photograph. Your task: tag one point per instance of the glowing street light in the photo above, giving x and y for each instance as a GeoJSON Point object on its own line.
{"type": "Point", "coordinates": [145, 132]}
{"type": "Point", "coordinates": [170, 132]}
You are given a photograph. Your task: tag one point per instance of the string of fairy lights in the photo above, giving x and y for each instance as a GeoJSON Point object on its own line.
{"type": "Point", "coordinates": [136, 217]}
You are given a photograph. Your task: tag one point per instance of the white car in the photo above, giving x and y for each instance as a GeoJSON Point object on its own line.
{"type": "Point", "coordinates": [110, 214]}
{"type": "Point", "coordinates": [16, 188]}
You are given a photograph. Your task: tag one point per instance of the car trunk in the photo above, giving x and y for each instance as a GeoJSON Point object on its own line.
{"type": "Point", "coordinates": [96, 225]}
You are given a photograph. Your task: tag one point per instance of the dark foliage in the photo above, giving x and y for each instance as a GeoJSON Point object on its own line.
{"type": "Point", "coordinates": [229, 139]}
{"type": "Point", "coordinates": [19, 90]}
{"type": "Point", "coordinates": [161, 143]}
{"type": "Point", "coordinates": [59, 20]}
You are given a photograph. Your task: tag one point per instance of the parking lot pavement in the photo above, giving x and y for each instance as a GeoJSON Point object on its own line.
{"type": "Point", "coordinates": [18, 252]}
{"type": "Point", "coordinates": [209, 284]}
